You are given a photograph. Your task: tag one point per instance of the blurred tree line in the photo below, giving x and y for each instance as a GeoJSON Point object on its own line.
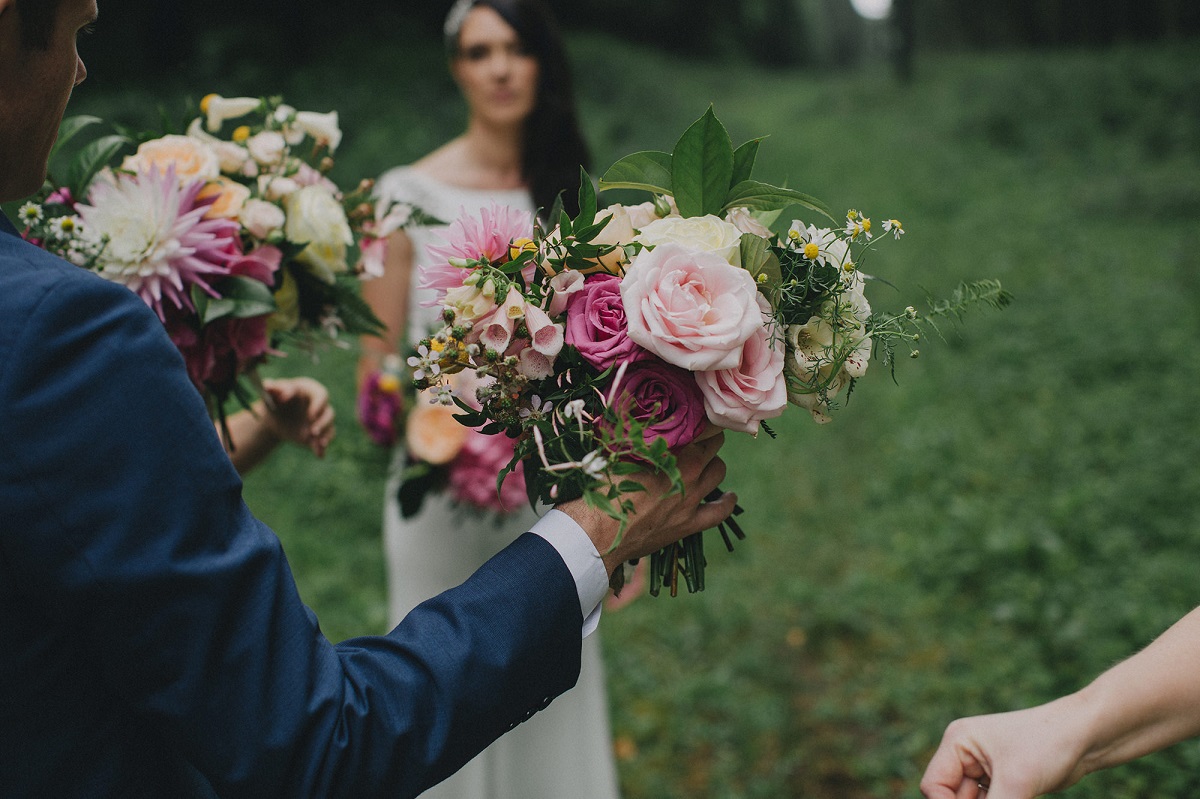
{"type": "Point", "coordinates": [150, 34]}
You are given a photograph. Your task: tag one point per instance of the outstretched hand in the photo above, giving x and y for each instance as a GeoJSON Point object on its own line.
{"type": "Point", "coordinates": [298, 410]}
{"type": "Point", "coordinates": [659, 517]}
{"type": "Point", "coordinates": [1017, 755]}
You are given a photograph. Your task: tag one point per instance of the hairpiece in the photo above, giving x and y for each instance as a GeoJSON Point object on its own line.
{"type": "Point", "coordinates": [454, 21]}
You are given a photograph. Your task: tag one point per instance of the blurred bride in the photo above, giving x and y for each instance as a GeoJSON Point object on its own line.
{"type": "Point", "coordinates": [521, 148]}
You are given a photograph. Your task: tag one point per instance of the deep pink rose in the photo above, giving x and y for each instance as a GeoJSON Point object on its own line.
{"type": "Point", "coordinates": [755, 389]}
{"type": "Point", "coordinates": [666, 397]}
{"type": "Point", "coordinates": [219, 352]}
{"type": "Point", "coordinates": [692, 309]}
{"type": "Point", "coordinates": [473, 474]}
{"type": "Point", "coordinates": [596, 323]}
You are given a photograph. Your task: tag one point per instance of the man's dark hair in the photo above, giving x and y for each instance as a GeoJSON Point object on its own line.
{"type": "Point", "coordinates": [37, 22]}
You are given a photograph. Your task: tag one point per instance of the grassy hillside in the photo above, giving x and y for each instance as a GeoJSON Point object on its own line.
{"type": "Point", "coordinates": [1020, 510]}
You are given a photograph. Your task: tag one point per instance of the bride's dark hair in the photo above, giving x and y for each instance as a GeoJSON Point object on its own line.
{"type": "Point", "coordinates": [554, 148]}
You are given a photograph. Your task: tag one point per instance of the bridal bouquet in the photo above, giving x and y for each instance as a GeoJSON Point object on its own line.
{"type": "Point", "coordinates": [602, 343]}
{"type": "Point", "coordinates": [236, 242]}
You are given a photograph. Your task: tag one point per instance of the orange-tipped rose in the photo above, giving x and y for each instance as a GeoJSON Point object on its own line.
{"type": "Point", "coordinates": [230, 197]}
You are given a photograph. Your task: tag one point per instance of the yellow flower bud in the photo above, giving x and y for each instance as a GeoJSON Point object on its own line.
{"type": "Point", "coordinates": [794, 235]}
{"type": "Point", "coordinates": [519, 246]}
{"type": "Point", "coordinates": [241, 133]}
{"type": "Point", "coordinates": [389, 384]}
{"type": "Point", "coordinates": [205, 101]}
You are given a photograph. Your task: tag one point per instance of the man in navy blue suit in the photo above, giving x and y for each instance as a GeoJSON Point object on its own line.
{"type": "Point", "coordinates": [152, 642]}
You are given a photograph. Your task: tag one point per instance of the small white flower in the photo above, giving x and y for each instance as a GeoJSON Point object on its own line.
{"type": "Point", "coordinates": [30, 213]}
{"type": "Point", "coordinates": [537, 409]}
{"type": "Point", "coordinates": [573, 409]}
{"type": "Point", "coordinates": [594, 464]}
{"type": "Point", "coordinates": [65, 227]}
{"type": "Point", "coordinates": [894, 227]}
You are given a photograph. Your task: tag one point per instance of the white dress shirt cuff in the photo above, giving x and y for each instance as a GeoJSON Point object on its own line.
{"type": "Point", "coordinates": [583, 561]}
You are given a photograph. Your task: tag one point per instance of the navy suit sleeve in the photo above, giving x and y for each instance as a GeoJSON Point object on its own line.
{"type": "Point", "coordinates": [127, 534]}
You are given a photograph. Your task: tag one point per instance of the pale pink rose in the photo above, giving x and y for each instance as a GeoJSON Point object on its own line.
{"type": "Point", "coordinates": [692, 309]}
{"type": "Point", "coordinates": [755, 389]}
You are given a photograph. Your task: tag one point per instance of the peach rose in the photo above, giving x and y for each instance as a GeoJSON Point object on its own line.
{"type": "Point", "coordinates": [191, 158]}
{"type": "Point", "coordinates": [431, 433]}
{"type": "Point", "coordinates": [229, 196]}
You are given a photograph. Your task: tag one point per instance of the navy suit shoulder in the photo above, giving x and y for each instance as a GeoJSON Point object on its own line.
{"type": "Point", "coordinates": [152, 628]}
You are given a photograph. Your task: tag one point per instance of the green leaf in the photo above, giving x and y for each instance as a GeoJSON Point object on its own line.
{"type": "Point", "coordinates": [91, 159]}
{"type": "Point", "coordinates": [764, 197]}
{"type": "Point", "coordinates": [702, 167]}
{"type": "Point", "coordinates": [649, 170]}
{"type": "Point", "coordinates": [757, 259]}
{"type": "Point", "coordinates": [70, 128]}
{"type": "Point", "coordinates": [241, 298]}
{"type": "Point", "coordinates": [743, 161]}
{"type": "Point", "coordinates": [587, 198]}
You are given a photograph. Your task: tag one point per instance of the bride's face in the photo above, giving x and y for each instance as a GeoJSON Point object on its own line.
{"type": "Point", "coordinates": [497, 76]}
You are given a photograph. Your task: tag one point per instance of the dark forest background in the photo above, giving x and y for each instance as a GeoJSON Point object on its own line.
{"type": "Point", "coordinates": [165, 34]}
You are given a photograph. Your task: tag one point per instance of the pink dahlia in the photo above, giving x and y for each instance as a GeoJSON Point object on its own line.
{"type": "Point", "coordinates": [155, 237]}
{"type": "Point", "coordinates": [473, 238]}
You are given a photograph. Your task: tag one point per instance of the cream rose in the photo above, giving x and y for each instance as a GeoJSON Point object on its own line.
{"type": "Point", "coordinates": [261, 218]}
{"type": "Point", "coordinates": [699, 234]}
{"type": "Point", "coordinates": [267, 147]}
{"type": "Point", "coordinates": [192, 159]}
{"type": "Point", "coordinates": [315, 217]}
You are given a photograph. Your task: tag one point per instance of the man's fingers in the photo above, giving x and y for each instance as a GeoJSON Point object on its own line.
{"type": "Point", "coordinates": [710, 514]}
{"type": "Point", "coordinates": [710, 478]}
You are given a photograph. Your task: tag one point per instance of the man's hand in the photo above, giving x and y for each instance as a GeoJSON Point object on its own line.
{"type": "Point", "coordinates": [660, 518]}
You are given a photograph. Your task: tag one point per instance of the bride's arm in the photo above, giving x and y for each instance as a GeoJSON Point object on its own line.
{"type": "Point", "coordinates": [388, 297]}
{"type": "Point", "coordinates": [1141, 705]}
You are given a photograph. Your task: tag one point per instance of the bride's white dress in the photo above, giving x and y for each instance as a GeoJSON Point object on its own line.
{"type": "Point", "coordinates": [565, 750]}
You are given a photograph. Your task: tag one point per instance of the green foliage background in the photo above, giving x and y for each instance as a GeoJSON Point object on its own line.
{"type": "Point", "coordinates": [1019, 512]}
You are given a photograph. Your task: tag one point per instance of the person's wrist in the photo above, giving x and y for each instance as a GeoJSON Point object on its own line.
{"type": "Point", "coordinates": [599, 527]}
{"type": "Point", "coordinates": [1084, 713]}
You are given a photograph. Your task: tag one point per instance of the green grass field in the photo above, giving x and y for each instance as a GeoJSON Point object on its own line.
{"type": "Point", "coordinates": [1018, 511]}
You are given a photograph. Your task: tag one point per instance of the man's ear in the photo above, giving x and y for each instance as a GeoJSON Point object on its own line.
{"type": "Point", "coordinates": [4, 4]}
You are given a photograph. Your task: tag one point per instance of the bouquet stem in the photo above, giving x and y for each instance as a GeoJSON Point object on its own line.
{"type": "Point", "coordinates": [686, 557]}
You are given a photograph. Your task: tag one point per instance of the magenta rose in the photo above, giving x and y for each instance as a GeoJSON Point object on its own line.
{"type": "Point", "coordinates": [755, 389]}
{"type": "Point", "coordinates": [219, 352]}
{"type": "Point", "coordinates": [666, 398]}
{"type": "Point", "coordinates": [596, 323]}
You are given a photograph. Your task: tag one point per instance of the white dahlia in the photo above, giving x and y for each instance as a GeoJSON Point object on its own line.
{"type": "Point", "coordinates": [155, 238]}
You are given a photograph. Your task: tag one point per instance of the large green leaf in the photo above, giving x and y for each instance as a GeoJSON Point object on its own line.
{"type": "Point", "coordinates": [764, 197]}
{"type": "Point", "coordinates": [70, 128]}
{"type": "Point", "coordinates": [743, 161]}
{"type": "Point", "coordinates": [649, 170]}
{"type": "Point", "coordinates": [587, 198]}
{"type": "Point", "coordinates": [91, 159]}
{"type": "Point", "coordinates": [702, 167]}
